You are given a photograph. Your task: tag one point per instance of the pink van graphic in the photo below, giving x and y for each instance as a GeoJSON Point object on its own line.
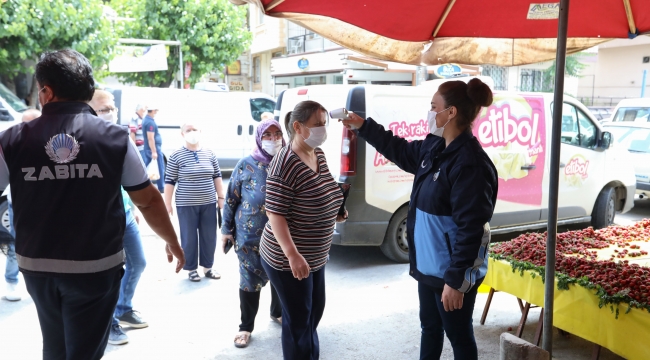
{"type": "Point", "coordinates": [513, 133]}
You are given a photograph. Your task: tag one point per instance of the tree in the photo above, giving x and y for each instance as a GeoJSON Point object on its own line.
{"type": "Point", "coordinates": [212, 33]}
{"type": "Point", "coordinates": [573, 68]}
{"type": "Point", "coordinates": [30, 27]}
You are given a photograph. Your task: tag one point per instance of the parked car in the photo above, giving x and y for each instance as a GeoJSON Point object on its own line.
{"type": "Point", "coordinates": [595, 180]}
{"type": "Point", "coordinates": [227, 119]}
{"type": "Point", "coordinates": [632, 110]}
{"type": "Point", "coordinates": [11, 108]}
{"type": "Point", "coordinates": [635, 138]}
{"type": "Point", "coordinates": [601, 113]}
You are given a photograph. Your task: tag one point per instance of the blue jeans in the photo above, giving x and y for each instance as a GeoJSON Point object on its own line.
{"type": "Point", "coordinates": [303, 304]}
{"type": "Point", "coordinates": [11, 269]}
{"type": "Point", "coordinates": [135, 264]}
{"type": "Point", "coordinates": [198, 234]}
{"type": "Point", "coordinates": [146, 157]}
{"type": "Point", "coordinates": [436, 322]}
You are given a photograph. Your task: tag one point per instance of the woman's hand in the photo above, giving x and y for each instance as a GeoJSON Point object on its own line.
{"type": "Point", "coordinates": [224, 241]}
{"type": "Point", "coordinates": [170, 209]}
{"type": "Point", "coordinates": [342, 218]}
{"type": "Point", "coordinates": [452, 299]}
{"type": "Point", "coordinates": [299, 266]}
{"type": "Point", "coordinates": [355, 121]}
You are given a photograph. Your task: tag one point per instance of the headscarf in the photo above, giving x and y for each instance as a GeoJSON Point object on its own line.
{"type": "Point", "coordinates": [258, 153]}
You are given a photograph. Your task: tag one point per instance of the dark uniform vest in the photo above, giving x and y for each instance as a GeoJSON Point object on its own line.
{"type": "Point", "coordinates": [65, 172]}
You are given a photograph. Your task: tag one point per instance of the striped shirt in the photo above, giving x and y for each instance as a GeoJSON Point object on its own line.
{"type": "Point", "coordinates": [309, 201]}
{"type": "Point", "coordinates": [193, 173]}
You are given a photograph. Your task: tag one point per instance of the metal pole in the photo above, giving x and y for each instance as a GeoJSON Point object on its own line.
{"type": "Point", "coordinates": [645, 73]}
{"type": "Point", "coordinates": [558, 97]}
{"type": "Point", "coordinates": [180, 65]}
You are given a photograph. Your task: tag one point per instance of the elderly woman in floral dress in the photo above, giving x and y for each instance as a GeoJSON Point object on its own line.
{"type": "Point", "coordinates": [244, 218]}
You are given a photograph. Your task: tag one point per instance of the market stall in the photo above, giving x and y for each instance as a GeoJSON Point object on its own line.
{"type": "Point", "coordinates": [603, 282]}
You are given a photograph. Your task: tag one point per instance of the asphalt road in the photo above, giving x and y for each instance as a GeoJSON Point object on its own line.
{"type": "Point", "coordinates": [371, 313]}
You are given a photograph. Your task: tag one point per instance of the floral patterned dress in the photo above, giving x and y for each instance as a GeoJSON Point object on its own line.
{"type": "Point", "coordinates": [244, 217]}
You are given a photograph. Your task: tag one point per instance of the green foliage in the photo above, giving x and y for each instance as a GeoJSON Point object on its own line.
{"type": "Point", "coordinates": [30, 27]}
{"type": "Point", "coordinates": [573, 68]}
{"type": "Point", "coordinates": [212, 32]}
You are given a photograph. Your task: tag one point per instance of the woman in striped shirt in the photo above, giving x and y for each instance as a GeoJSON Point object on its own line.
{"type": "Point", "coordinates": [302, 203]}
{"type": "Point", "coordinates": [194, 171]}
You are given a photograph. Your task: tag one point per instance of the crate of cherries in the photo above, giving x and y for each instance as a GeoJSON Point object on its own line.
{"type": "Point", "coordinates": [613, 261]}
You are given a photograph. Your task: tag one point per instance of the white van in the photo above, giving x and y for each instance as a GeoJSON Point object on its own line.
{"type": "Point", "coordinates": [632, 110]}
{"type": "Point", "coordinates": [11, 108]}
{"type": "Point", "coordinates": [595, 181]}
{"type": "Point", "coordinates": [227, 119]}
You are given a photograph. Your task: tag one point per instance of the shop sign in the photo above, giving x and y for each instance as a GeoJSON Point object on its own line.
{"type": "Point", "coordinates": [234, 68]}
{"type": "Point", "coordinates": [303, 64]}
{"type": "Point", "coordinates": [237, 83]}
{"type": "Point", "coordinates": [448, 70]}
{"type": "Point", "coordinates": [138, 58]}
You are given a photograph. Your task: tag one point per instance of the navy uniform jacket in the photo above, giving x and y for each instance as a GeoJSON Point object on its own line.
{"type": "Point", "coordinates": [452, 200]}
{"type": "Point", "coordinates": [65, 170]}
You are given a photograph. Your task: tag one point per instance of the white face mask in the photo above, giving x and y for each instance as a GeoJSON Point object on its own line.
{"type": "Point", "coordinates": [111, 116]}
{"type": "Point", "coordinates": [193, 137]}
{"type": "Point", "coordinates": [317, 136]}
{"type": "Point", "coordinates": [272, 147]}
{"type": "Point", "coordinates": [433, 127]}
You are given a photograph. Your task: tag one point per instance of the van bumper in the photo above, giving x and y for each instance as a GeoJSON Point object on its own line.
{"type": "Point", "coordinates": [629, 199]}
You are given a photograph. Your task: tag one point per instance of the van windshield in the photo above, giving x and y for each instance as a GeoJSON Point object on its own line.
{"type": "Point", "coordinates": [12, 100]}
{"type": "Point", "coordinates": [260, 106]}
{"type": "Point", "coordinates": [632, 114]}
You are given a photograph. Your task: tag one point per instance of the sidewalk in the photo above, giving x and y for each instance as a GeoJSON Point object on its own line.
{"type": "Point", "coordinates": [371, 313]}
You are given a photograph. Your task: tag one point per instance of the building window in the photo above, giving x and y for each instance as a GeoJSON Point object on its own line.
{"type": "Point", "coordinates": [302, 40]}
{"type": "Point", "coordinates": [498, 74]}
{"type": "Point", "coordinates": [257, 70]}
{"type": "Point", "coordinates": [277, 54]}
{"type": "Point", "coordinates": [338, 79]}
{"type": "Point", "coordinates": [531, 80]}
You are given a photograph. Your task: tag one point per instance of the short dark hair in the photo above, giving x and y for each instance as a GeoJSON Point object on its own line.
{"type": "Point", "coordinates": [467, 98]}
{"type": "Point", "coordinates": [301, 113]}
{"type": "Point", "coordinates": [68, 73]}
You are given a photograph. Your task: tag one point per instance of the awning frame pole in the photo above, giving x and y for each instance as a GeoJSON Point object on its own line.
{"type": "Point", "coordinates": [554, 185]}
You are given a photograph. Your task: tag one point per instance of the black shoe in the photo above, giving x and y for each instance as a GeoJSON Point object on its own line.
{"type": "Point", "coordinates": [132, 319]}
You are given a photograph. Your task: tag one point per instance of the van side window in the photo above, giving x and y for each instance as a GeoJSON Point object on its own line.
{"type": "Point", "coordinates": [588, 131]}
{"type": "Point", "coordinates": [261, 105]}
{"type": "Point", "coordinates": [632, 114]}
{"type": "Point", "coordinates": [570, 131]}
{"type": "Point", "coordinates": [577, 128]}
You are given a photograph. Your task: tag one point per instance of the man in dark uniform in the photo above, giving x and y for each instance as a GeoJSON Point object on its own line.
{"type": "Point", "coordinates": [65, 170]}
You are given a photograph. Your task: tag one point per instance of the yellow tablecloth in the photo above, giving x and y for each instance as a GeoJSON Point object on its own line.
{"type": "Point", "coordinates": [576, 311]}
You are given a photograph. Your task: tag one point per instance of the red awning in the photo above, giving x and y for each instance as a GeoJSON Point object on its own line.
{"type": "Point", "coordinates": [500, 32]}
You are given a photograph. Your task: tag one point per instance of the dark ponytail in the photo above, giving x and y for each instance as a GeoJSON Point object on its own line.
{"type": "Point", "coordinates": [301, 113]}
{"type": "Point", "coordinates": [467, 98]}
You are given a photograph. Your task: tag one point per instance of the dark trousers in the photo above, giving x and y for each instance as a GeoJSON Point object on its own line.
{"type": "Point", "coordinates": [303, 303]}
{"type": "Point", "coordinates": [436, 322]}
{"type": "Point", "coordinates": [75, 313]}
{"type": "Point", "coordinates": [249, 303]}
{"type": "Point", "coordinates": [198, 225]}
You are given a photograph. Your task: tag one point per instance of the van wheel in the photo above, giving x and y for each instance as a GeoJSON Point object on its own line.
{"type": "Point", "coordinates": [395, 245]}
{"type": "Point", "coordinates": [604, 209]}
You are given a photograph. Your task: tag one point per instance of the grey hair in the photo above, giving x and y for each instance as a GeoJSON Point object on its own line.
{"type": "Point", "coordinates": [140, 107]}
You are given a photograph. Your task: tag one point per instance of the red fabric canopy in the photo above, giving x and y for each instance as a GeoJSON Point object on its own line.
{"type": "Point", "coordinates": [417, 20]}
{"type": "Point", "coordinates": [500, 32]}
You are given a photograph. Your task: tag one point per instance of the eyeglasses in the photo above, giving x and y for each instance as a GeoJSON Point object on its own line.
{"type": "Point", "coordinates": [108, 109]}
{"type": "Point", "coordinates": [270, 135]}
